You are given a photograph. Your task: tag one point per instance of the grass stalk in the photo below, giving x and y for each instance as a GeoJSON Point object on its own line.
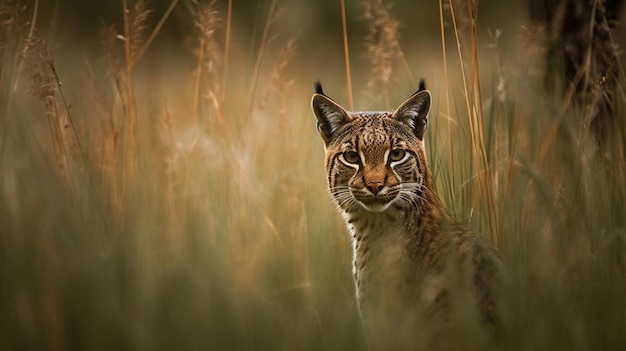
{"type": "Point", "coordinates": [155, 31]}
{"type": "Point", "coordinates": [466, 94]}
{"type": "Point", "coordinates": [229, 16]}
{"type": "Point", "coordinates": [446, 91]}
{"type": "Point", "coordinates": [129, 134]}
{"type": "Point", "coordinates": [58, 144]}
{"type": "Point", "coordinates": [197, 83]}
{"type": "Point", "coordinates": [346, 55]}
{"type": "Point", "coordinates": [474, 114]}
{"type": "Point", "coordinates": [15, 85]}
{"type": "Point", "coordinates": [194, 117]}
{"type": "Point", "coordinates": [259, 57]}
{"type": "Point", "coordinates": [478, 118]}
{"type": "Point", "coordinates": [81, 150]}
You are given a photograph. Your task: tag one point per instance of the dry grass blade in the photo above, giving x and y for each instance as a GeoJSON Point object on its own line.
{"type": "Point", "coordinates": [446, 88]}
{"type": "Point", "coordinates": [155, 30]}
{"type": "Point", "coordinates": [14, 24]}
{"type": "Point", "coordinates": [346, 55]}
{"type": "Point", "coordinates": [67, 145]}
{"type": "Point", "coordinates": [229, 17]}
{"type": "Point", "coordinates": [382, 48]}
{"type": "Point", "coordinates": [280, 82]}
{"type": "Point", "coordinates": [137, 25]}
{"type": "Point", "coordinates": [272, 14]}
{"type": "Point", "coordinates": [209, 59]}
{"type": "Point", "coordinates": [208, 69]}
{"type": "Point", "coordinates": [38, 60]}
{"type": "Point", "coordinates": [473, 103]}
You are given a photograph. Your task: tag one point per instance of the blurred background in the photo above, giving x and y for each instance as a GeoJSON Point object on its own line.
{"type": "Point", "coordinates": [163, 186]}
{"type": "Point", "coordinates": [315, 26]}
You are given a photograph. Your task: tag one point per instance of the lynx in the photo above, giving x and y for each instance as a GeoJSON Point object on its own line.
{"type": "Point", "coordinates": [410, 257]}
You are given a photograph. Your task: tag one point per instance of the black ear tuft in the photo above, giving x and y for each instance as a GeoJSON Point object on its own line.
{"type": "Point", "coordinates": [329, 114]}
{"type": "Point", "coordinates": [422, 85]}
{"type": "Point", "coordinates": [318, 88]}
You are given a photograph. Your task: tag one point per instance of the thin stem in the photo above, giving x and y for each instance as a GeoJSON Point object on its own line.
{"type": "Point", "coordinates": [130, 115]}
{"type": "Point", "coordinates": [9, 103]}
{"type": "Point", "coordinates": [446, 92]}
{"type": "Point", "coordinates": [229, 15]}
{"type": "Point", "coordinates": [260, 54]}
{"type": "Point", "coordinates": [81, 149]}
{"type": "Point", "coordinates": [346, 52]}
{"type": "Point", "coordinates": [486, 177]}
{"type": "Point", "coordinates": [155, 31]}
{"type": "Point", "coordinates": [465, 91]}
{"type": "Point", "coordinates": [196, 88]}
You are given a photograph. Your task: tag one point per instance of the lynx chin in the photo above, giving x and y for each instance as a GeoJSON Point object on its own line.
{"type": "Point", "coordinates": [416, 270]}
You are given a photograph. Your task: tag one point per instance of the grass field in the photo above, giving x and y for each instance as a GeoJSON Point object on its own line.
{"type": "Point", "coordinates": [149, 201]}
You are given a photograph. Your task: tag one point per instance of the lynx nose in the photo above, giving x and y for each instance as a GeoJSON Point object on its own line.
{"type": "Point", "coordinates": [375, 187]}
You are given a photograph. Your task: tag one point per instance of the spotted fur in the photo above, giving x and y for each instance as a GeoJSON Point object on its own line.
{"type": "Point", "coordinates": [409, 255]}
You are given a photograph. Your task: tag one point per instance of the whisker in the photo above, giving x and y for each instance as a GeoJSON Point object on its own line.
{"type": "Point", "coordinates": [346, 202]}
{"type": "Point", "coordinates": [410, 199]}
{"type": "Point", "coordinates": [339, 188]}
{"type": "Point", "coordinates": [342, 196]}
{"type": "Point", "coordinates": [415, 194]}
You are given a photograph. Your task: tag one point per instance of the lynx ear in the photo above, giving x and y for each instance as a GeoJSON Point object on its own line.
{"type": "Point", "coordinates": [414, 112]}
{"type": "Point", "coordinates": [330, 115]}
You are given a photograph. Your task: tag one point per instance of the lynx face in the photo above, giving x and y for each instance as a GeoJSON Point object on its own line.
{"type": "Point", "coordinates": [375, 160]}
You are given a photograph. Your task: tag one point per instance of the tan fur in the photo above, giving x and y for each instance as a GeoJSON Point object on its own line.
{"type": "Point", "coordinates": [410, 257]}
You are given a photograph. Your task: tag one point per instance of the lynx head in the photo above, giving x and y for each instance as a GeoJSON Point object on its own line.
{"type": "Point", "coordinates": [375, 160]}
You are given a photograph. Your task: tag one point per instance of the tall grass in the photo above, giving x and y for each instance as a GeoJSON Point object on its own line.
{"type": "Point", "coordinates": [543, 186]}
{"type": "Point", "coordinates": [186, 207]}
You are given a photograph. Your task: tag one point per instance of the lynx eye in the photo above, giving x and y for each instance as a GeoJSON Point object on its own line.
{"type": "Point", "coordinates": [396, 155]}
{"type": "Point", "coordinates": [351, 157]}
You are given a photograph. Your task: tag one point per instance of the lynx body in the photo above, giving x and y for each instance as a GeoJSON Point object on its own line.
{"type": "Point", "coordinates": [411, 260]}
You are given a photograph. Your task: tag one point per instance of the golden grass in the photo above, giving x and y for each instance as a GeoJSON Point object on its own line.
{"type": "Point", "coordinates": [186, 208]}
{"type": "Point", "coordinates": [473, 102]}
{"type": "Point", "coordinates": [346, 54]}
